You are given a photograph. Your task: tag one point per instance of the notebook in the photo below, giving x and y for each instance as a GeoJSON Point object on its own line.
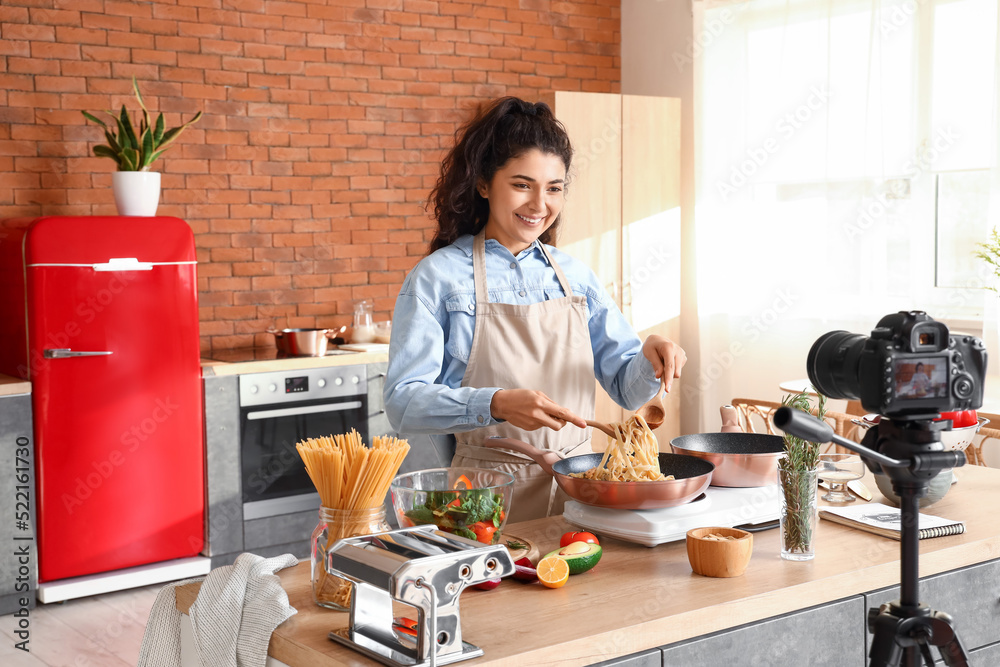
{"type": "Point", "coordinates": [885, 520]}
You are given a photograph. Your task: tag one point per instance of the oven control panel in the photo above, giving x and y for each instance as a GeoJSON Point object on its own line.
{"type": "Point", "coordinates": [307, 384]}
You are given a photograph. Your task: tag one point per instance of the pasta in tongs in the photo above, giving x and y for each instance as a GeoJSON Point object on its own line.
{"type": "Point", "coordinates": [632, 455]}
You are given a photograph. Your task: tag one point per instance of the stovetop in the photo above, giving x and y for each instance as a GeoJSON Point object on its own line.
{"type": "Point", "coordinates": [241, 354]}
{"type": "Point", "coordinates": [749, 508]}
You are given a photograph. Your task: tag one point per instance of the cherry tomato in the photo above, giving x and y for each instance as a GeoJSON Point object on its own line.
{"type": "Point", "coordinates": [967, 418]}
{"type": "Point", "coordinates": [581, 536]}
{"type": "Point", "coordinates": [961, 418]}
{"type": "Point", "coordinates": [484, 531]}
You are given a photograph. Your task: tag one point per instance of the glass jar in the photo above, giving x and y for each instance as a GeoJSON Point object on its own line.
{"type": "Point", "coordinates": [364, 328]}
{"type": "Point", "coordinates": [799, 513]}
{"type": "Point", "coordinates": [328, 590]}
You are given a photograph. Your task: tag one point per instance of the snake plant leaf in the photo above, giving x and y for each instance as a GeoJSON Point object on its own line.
{"type": "Point", "coordinates": [138, 96]}
{"type": "Point", "coordinates": [147, 148]}
{"type": "Point", "coordinates": [130, 159]}
{"type": "Point", "coordinates": [127, 128]}
{"type": "Point", "coordinates": [112, 141]}
{"type": "Point", "coordinates": [94, 119]}
{"type": "Point", "coordinates": [104, 151]}
{"type": "Point", "coordinates": [156, 155]}
{"type": "Point", "coordinates": [170, 135]}
{"type": "Point", "coordinates": [158, 132]}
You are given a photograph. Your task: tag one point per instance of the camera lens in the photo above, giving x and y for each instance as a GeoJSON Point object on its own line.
{"type": "Point", "coordinates": [833, 364]}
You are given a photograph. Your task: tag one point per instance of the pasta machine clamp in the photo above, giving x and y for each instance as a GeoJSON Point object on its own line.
{"type": "Point", "coordinates": [423, 567]}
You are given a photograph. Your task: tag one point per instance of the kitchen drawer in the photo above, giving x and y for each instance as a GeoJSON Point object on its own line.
{"type": "Point", "coordinates": [651, 658]}
{"type": "Point", "coordinates": [831, 635]}
{"type": "Point", "coordinates": [970, 595]}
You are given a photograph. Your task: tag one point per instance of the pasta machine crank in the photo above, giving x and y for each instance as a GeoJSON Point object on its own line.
{"type": "Point", "coordinates": [423, 567]}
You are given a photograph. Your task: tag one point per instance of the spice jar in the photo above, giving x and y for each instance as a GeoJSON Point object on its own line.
{"type": "Point", "coordinates": [328, 590]}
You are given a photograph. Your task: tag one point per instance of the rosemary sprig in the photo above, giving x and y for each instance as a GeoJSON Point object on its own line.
{"type": "Point", "coordinates": [515, 545]}
{"type": "Point", "coordinates": [798, 480]}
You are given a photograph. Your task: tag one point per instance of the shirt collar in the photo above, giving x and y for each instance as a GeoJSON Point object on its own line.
{"type": "Point", "coordinates": [464, 243]}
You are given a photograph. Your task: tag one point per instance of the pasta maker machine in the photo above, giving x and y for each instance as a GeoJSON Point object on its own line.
{"type": "Point", "coordinates": [423, 567]}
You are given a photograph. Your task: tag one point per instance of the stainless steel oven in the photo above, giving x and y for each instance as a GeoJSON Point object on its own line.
{"type": "Point", "coordinates": [279, 409]}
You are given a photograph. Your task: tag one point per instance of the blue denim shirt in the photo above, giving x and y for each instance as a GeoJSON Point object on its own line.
{"type": "Point", "coordinates": [434, 321]}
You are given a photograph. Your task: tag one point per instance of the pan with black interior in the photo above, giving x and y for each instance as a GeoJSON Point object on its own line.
{"type": "Point", "coordinates": [741, 459]}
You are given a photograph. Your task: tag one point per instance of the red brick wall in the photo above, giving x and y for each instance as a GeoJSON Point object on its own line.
{"type": "Point", "coordinates": [324, 123]}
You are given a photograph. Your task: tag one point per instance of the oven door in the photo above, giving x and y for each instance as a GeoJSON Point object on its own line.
{"type": "Point", "coordinates": [274, 478]}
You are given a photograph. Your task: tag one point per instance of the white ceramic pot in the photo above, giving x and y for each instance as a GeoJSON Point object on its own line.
{"type": "Point", "coordinates": [136, 192]}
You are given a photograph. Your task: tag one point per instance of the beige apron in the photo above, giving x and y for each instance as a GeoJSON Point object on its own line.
{"type": "Point", "coordinates": [543, 346]}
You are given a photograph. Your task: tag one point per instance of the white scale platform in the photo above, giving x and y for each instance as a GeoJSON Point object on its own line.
{"type": "Point", "coordinates": [718, 506]}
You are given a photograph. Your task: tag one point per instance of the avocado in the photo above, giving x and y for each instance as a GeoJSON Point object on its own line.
{"type": "Point", "coordinates": [578, 558]}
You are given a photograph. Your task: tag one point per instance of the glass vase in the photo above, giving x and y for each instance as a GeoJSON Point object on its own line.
{"type": "Point", "coordinates": [799, 513]}
{"type": "Point", "coordinates": [328, 590]}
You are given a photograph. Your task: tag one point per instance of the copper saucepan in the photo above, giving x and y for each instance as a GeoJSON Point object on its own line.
{"type": "Point", "coordinates": [691, 477]}
{"type": "Point", "coordinates": [741, 459]}
{"type": "Point", "coordinates": [304, 342]}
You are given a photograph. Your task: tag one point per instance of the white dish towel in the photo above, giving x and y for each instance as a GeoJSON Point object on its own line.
{"type": "Point", "coordinates": [237, 609]}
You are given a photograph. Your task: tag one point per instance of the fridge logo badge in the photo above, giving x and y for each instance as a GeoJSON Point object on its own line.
{"type": "Point", "coordinates": [103, 469]}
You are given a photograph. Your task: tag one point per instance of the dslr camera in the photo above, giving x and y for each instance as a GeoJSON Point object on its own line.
{"type": "Point", "coordinates": [909, 368]}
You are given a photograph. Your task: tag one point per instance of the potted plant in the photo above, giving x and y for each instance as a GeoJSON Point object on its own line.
{"type": "Point", "coordinates": [798, 472]}
{"type": "Point", "coordinates": [136, 188]}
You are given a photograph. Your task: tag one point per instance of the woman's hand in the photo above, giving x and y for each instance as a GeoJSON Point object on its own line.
{"type": "Point", "coordinates": [666, 356]}
{"type": "Point", "coordinates": [531, 410]}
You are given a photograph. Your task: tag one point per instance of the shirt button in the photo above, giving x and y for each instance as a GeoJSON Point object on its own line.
{"type": "Point", "coordinates": [513, 265]}
{"type": "Point", "coordinates": [472, 306]}
{"type": "Point", "coordinates": [522, 293]}
{"type": "Point", "coordinates": [481, 419]}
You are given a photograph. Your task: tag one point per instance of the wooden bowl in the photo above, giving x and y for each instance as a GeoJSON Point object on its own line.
{"type": "Point", "coordinates": [719, 558]}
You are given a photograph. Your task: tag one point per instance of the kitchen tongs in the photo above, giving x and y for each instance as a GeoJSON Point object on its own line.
{"type": "Point", "coordinates": [423, 567]}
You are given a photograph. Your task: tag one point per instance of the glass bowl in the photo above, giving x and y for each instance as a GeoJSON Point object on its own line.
{"type": "Point", "coordinates": [383, 331]}
{"type": "Point", "coordinates": [471, 502]}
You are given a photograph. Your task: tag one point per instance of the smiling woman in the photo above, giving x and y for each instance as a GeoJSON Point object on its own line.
{"type": "Point", "coordinates": [496, 333]}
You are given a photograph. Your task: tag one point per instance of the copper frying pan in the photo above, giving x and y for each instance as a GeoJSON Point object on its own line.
{"type": "Point", "coordinates": [691, 477]}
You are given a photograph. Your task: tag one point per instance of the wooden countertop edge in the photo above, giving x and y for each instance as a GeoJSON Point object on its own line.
{"type": "Point", "coordinates": [10, 386]}
{"type": "Point", "coordinates": [210, 367]}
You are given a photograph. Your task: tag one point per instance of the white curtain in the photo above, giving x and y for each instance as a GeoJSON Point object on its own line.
{"type": "Point", "coordinates": [846, 156]}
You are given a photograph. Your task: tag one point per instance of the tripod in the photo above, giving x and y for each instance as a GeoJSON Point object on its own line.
{"type": "Point", "coordinates": [909, 452]}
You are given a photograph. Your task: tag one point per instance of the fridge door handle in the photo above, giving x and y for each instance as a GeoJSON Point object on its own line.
{"type": "Point", "coordinates": [65, 353]}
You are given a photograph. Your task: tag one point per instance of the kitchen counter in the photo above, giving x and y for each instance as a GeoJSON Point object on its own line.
{"type": "Point", "coordinates": [640, 598]}
{"type": "Point", "coordinates": [210, 367]}
{"type": "Point", "coordinates": [11, 385]}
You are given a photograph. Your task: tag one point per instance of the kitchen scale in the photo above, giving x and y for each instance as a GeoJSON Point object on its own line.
{"type": "Point", "coordinates": [752, 508]}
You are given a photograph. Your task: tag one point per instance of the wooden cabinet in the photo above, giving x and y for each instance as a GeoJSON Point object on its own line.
{"type": "Point", "coordinates": [622, 214]}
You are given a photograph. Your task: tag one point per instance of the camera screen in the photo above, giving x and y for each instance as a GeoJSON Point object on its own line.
{"type": "Point", "coordinates": [921, 378]}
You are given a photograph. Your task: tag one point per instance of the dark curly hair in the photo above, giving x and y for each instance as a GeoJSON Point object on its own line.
{"type": "Point", "coordinates": [503, 129]}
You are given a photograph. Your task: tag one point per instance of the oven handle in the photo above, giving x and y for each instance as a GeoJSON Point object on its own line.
{"type": "Point", "coordinates": [304, 410]}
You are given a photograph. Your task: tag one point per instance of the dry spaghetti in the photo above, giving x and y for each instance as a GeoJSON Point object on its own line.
{"type": "Point", "coordinates": [352, 481]}
{"type": "Point", "coordinates": [632, 455]}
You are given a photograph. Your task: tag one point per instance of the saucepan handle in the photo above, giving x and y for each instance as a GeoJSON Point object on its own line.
{"type": "Point", "coordinates": [544, 458]}
{"type": "Point", "coordinates": [277, 334]}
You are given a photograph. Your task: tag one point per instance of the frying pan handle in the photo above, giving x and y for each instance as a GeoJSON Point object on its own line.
{"type": "Point", "coordinates": [544, 458]}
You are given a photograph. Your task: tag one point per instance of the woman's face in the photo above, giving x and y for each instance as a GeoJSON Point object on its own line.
{"type": "Point", "coordinates": [525, 198]}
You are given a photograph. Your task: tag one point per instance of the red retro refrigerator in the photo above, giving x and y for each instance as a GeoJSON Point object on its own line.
{"type": "Point", "coordinates": [101, 314]}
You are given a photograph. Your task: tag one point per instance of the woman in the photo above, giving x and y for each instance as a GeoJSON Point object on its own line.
{"type": "Point", "coordinates": [496, 333]}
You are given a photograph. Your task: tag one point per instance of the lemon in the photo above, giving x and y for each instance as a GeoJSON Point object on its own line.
{"type": "Point", "coordinates": [553, 571]}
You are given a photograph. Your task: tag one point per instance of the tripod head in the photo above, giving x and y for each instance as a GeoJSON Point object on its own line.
{"type": "Point", "coordinates": [908, 451]}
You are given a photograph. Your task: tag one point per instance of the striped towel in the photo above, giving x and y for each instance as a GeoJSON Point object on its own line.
{"type": "Point", "coordinates": [237, 609]}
